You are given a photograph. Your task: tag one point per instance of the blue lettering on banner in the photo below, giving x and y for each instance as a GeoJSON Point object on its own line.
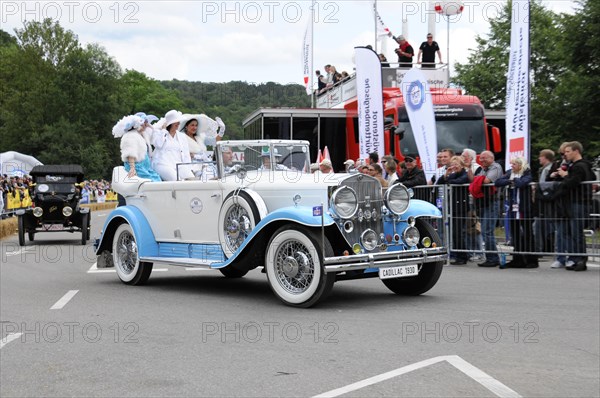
{"type": "Point", "coordinates": [317, 211]}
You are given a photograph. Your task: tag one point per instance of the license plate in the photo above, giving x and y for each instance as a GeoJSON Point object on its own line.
{"type": "Point", "coordinates": [53, 227]}
{"type": "Point", "coordinates": [401, 271]}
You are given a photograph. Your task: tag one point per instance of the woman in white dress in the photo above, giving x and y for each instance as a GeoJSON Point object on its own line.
{"type": "Point", "coordinates": [201, 131]}
{"type": "Point", "coordinates": [170, 149]}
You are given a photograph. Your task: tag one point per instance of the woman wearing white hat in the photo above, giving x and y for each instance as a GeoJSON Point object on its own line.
{"type": "Point", "coordinates": [201, 130]}
{"type": "Point", "coordinates": [171, 148]}
{"type": "Point", "coordinates": [134, 148]}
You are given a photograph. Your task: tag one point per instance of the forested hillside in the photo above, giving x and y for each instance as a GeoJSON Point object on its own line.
{"type": "Point", "coordinates": [235, 100]}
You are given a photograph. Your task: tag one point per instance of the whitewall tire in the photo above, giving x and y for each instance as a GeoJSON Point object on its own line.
{"type": "Point", "coordinates": [294, 266]}
{"type": "Point", "coordinates": [126, 259]}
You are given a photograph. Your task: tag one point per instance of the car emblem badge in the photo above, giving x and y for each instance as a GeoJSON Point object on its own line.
{"type": "Point", "coordinates": [196, 206]}
{"type": "Point", "coordinates": [53, 209]}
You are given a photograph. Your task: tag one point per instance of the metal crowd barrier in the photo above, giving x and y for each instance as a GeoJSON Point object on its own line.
{"type": "Point", "coordinates": [534, 223]}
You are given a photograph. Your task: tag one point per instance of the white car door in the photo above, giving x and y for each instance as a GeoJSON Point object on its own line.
{"type": "Point", "coordinates": [197, 205]}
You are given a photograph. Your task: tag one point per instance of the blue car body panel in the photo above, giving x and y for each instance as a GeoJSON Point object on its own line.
{"type": "Point", "coordinates": [211, 253]}
{"type": "Point", "coordinates": [146, 242]}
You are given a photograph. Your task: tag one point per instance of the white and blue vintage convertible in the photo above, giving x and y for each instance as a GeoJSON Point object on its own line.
{"type": "Point", "coordinates": [258, 205]}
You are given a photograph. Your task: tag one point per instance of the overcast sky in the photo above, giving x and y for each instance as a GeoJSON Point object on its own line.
{"type": "Point", "coordinates": [252, 41]}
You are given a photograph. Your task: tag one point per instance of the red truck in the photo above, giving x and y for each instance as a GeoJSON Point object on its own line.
{"type": "Point", "coordinates": [460, 122]}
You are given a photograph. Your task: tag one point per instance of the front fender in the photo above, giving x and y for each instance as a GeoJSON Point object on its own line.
{"type": "Point", "coordinates": [147, 246]}
{"type": "Point", "coordinates": [302, 215]}
{"type": "Point", "coordinates": [420, 208]}
{"type": "Point", "coordinates": [296, 215]}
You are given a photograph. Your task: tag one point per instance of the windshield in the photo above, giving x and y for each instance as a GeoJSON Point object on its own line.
{"type": "Point", "coordinates": [255, 156]}
{"type": "Point", "coordinates": [454, 134]}
{"type": "Point", "coordinates": [55, 187]}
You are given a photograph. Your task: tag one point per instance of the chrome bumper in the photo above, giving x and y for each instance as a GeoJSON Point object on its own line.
{"type": "Point", "coordinates": [385, 259]}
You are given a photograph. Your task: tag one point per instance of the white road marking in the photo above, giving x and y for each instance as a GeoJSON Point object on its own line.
{"type": "Point", "coordinates": [10, 254]}
{"type": "Point", "coordinates": [95, 270]}
{"type": "Point", "coordinates": [476, 374]}
{"type": "Point", "coordinates": [8, 338]}
{"type": "Point", "coordinates": [64, 300]}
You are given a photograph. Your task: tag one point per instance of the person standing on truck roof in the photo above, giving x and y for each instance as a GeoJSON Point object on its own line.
{"type": "Point", "coordinates": [405, 52]}
{"type": "Point", "coordinates": [428, 49]}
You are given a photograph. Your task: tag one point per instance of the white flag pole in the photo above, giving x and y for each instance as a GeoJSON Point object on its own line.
{"type": "Point", "coordinates": [312, 52]}
{"type": "Point", "coordinates": [375, 22]}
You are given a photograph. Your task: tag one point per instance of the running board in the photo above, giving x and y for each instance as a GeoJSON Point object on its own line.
{"type": "Point", "coordinates": [180, 261]}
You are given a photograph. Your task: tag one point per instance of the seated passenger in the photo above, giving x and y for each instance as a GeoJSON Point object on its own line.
{"type": "Point", "coordinates": [171, 149]}
{"type": "Point", "coordinates": [134, 147]}
{"type": "Point", "coordinates": [208, 171]}
{"type": "Point", "coordinates": [266, 160]}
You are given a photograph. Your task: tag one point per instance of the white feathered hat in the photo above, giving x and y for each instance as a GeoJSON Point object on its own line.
{"type": "Point", "coordinates": [128, 123]}
{"type": "Point", "coordinates": [211, 128]}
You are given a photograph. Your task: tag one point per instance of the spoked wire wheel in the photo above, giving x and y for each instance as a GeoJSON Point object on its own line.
{"type": "Point", "coordinates": [126, 257]}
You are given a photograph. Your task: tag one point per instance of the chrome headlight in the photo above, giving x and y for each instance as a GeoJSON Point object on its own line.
{"type": "Point", "coordinates": [411, 236]}
{"type": "Point", "coordinates": [67, 211]}
{"type": "Point", "coordinates": [344, 202]}
{"type": "Point", "coordinates": [38, 211]}
{"type": "Point", "coordinates": [369, 239]}
{"type": "Point", "coordinates": [396, 199]}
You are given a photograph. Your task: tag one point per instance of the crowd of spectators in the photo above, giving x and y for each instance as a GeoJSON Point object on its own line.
{"type": "Point", "coordinates": [483, 195]}
{"type": "Point", "coordinates": [15, 193]}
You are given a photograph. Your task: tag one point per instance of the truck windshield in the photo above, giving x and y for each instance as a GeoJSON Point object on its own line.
{"type": "Point", "coordinates": [453, 134]}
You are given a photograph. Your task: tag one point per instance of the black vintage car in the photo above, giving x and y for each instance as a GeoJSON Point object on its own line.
{"type": "Point", "coordinates": [56, 195]}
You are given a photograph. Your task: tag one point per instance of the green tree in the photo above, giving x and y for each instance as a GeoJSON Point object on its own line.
{"type": "Point", "coordinates": [6, 39]}
{"type": "Point", "coordinates": [58, 100]}
{"type": "Point", "coordinates": [48, 40]}
{"type": "Point", "coordinates": [571, 109]}
{"type": "Point", "coordinates": [139, 93]}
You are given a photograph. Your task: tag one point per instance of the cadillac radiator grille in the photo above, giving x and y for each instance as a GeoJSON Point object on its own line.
{"type": "Point", "coordinates": [370, 202]}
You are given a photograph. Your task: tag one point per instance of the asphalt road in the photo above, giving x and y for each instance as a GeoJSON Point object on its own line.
{"type": "Point", "coordinates": [478, 332]}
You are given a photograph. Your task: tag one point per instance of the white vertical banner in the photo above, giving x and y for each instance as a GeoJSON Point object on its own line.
{"type": "Point", "coordinates": [517, 84]}
{"type": "Point", "coordinates": [307, 56]}
{"type": "Point", "coordinates": [369, 93]}
{"type": "Point", "coordinates": [419, 106]}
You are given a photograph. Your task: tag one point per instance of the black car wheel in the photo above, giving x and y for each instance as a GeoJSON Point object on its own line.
{"type": "Point", "coordinates": [85, 229]}
{"type": "Point", "coordinates": [21, 231]}
{"type": "Point", "coordinates": [233, 273]}
{"type": "Point", "coordinates": [429, 273]}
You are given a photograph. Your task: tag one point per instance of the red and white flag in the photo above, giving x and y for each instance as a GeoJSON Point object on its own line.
{"type": "Point", "coordinates": [382, 29]}
{"type": "Point", "coordinates": [307, 58]}
{"type": "Point", "coordinates": [319, 157]}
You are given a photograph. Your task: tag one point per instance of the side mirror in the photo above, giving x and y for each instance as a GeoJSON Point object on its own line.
{"type": "Point", "coordinates": [399, 131]}
{"type": "Point", "coordinates": [388, 122]}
